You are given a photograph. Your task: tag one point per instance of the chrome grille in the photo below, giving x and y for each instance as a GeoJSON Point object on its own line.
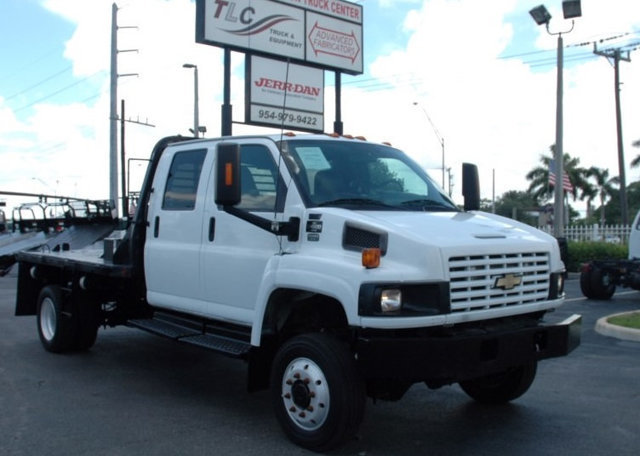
{"type": "Point", "coordinates": [474, 279]}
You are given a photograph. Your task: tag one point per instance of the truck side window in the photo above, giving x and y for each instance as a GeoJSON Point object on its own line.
{"type": "Point", "coordinates": [182, 182]}
{"type": "Point", "coordinates": [259, 175]}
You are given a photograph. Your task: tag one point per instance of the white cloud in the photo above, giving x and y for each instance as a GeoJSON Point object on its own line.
{"type": "Point", "coordinates": [499, 113]}
{"type": "Point", "coordinates": [394, 3]}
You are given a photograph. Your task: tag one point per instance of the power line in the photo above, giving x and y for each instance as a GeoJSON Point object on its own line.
{"type": "Point", "coordinates": [39, 83]}
{"type": "Point", "coordinates": [553, 60]}
{"type": "Point", "coordinates": [584, 43]}
{"type": "Point", "coordinates": [52, 94]}
{"type": "Point", "coordinates": [28, 64]}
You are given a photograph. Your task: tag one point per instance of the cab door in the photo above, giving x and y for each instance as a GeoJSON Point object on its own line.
{"type": "Point", "coordinates": [237, 254]}
{"type": "Point", "coordinates": [173, 242]}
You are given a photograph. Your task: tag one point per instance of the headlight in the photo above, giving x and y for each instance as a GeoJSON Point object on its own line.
{"type": "Point", "coordinates": [391, 300]}
{"type": "Point", "coordinates": [556, 285]}
{"type": "Point", "coordinates": [560, 284]}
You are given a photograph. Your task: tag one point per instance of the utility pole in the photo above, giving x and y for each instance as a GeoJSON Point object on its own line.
{"type": "Point", "coordinates": [113, 110]}
{"type": "Point", "coordinates": [616, 55]}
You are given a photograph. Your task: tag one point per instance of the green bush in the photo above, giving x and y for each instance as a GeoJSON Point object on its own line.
{"type": "Point", "coordinates": [583, 252]}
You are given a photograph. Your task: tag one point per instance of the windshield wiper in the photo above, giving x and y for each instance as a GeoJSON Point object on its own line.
{"type": "Point", "coordinates": [354, 201]}
{"type": "Point", "coordinates": [428, 204]}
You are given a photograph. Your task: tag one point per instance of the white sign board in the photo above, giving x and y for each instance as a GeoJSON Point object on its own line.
{"type": "Point", "coordinates": [336, 8]}
{"type": "Point", "coordinates": [284, 95]}
{"type": "Point", "coordinates": [333, 43]}
{"type": "Point", "coordinates": [323, 33]}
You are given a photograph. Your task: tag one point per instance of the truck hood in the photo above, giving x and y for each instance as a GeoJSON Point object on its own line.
{"type": "Point", "coordinates": [455, 229]}
{"type": "Point", "coordinates": [456, 232]}
{"type": "Point", "coordinates": [414, 237]}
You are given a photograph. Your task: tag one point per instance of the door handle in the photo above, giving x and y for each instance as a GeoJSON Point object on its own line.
{"type": "Point", "coordinates": [212, 229]}
{"type": "Point", "coordinates": [156, 226]}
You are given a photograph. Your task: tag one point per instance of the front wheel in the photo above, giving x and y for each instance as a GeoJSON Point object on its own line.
{"type": "Point", "coordinates": [501, 387]}
{"type": "Point", "coordinates": [317, 392]}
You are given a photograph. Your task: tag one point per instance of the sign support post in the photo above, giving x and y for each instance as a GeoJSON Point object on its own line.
{"type": "Point", "coordinates": [226, 105]}
{"type": "Point", "coordinates": [337, 124]}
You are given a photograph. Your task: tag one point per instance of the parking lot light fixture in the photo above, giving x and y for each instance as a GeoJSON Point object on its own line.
{"type": "Point", "coordinates": [541, 15]}
{"type": "Point", "coordinates": [571, 9]}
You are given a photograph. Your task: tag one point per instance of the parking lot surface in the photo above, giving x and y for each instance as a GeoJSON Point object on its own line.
{"type": "Point", "coordinates": [134, 393]}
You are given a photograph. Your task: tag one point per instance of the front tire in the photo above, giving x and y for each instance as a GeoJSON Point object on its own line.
{"type": "Point", "coordinates": [55, 327]}
{"type": "Point", "coordinates": [317, 392]}
{"type": "Point", "coordinates": [501, 387]}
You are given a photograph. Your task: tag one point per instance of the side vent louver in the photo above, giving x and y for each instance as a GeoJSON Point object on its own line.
{"type": "Point", "coordinates": [358, 238]}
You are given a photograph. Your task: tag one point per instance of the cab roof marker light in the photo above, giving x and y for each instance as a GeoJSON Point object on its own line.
{"type": "Point", "coordinates": [361, 138]}
{"type": "Point", "coordinates": [288, 133]}
{"type": "Point", "coordinates": [348, 136]}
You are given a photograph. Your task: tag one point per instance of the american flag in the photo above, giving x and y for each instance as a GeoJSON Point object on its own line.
{"type": "Point", "coordinates": [566, 183]}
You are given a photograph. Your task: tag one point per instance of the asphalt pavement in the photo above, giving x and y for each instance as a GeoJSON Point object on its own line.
{"type": "Point", "coordinates": [135, 393]}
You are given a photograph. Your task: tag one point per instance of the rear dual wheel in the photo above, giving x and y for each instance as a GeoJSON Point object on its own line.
{"type": "Point", "coordinates": [63, 329]}
{"type": "Point", "coordinates": [596, 283]}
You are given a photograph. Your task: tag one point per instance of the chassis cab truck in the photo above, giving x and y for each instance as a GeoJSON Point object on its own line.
{"type": "Point", "coordinates": [334, 267]}
{"type": "Point", "coordinates": [599, 278]}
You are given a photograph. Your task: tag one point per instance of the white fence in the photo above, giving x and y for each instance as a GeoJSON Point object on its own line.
{"type": "Point", "coordinates": [607, 233]}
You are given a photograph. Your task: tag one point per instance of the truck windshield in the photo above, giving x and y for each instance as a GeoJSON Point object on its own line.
{"type": "Point", "coordinates": [360, 175]}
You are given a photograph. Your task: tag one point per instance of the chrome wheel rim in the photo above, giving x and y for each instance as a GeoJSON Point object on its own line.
{"type": "Point", "coordinates": [48, 319]}
{"type": "Point", "coordinates": [305, 394]}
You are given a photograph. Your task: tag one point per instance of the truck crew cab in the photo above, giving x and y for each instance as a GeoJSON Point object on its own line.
{"type": "Point", "coordinates": [333, 266]}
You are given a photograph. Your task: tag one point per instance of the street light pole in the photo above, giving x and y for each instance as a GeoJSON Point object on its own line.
{"type": "Point", "coordinates": [437, 133]}
{"type": "Point", "coordinates": [558, 188]}
{"type": "Point", "coordinates": [196, 110]}
{"type": "Point", "coordinates": [571, 9]}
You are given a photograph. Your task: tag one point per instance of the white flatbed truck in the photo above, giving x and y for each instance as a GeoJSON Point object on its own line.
{"type": "Point", "coordinates": [333, 266]}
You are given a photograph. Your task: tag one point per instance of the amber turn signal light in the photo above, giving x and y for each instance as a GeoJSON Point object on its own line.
{"type": "Point", "coordinates": [228, 174]}
{"type": "Point", "coordinates": [371, 258]}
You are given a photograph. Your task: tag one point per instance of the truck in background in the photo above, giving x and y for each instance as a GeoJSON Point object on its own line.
{"type": "Point", "coordinates": [334, 267]}
{"type": "Point", "coordinates": [599, 278]}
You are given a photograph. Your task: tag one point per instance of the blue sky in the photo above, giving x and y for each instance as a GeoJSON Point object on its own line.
{"type": "Point", "coordinates": [483, 71]}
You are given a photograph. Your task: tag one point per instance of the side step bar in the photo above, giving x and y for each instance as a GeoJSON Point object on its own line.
{"type": "Point", "coordinates": [192, 332]}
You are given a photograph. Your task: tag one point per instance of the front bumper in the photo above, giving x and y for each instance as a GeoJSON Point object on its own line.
{"type": "Point", "coordinates": [465, 354]}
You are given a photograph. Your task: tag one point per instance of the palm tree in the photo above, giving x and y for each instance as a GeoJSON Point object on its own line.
{"type": "Point", "coordinates": [604, 185]}
{"type": "Point", "coordinates": [590, 193]}
{"type": "Point", "coordinates": [539, 177]}
{"type": "Point", "coordinates": [539, 186]}
{"type": "Point", "coordinates": [636, 161]}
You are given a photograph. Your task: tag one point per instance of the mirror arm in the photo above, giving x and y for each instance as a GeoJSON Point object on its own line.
{"type": "Point", "coordinates": [291, 229]}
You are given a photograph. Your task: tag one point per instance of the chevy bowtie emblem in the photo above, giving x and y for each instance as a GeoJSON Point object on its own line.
{"type": "Point", "coordinates": [507, 281]}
